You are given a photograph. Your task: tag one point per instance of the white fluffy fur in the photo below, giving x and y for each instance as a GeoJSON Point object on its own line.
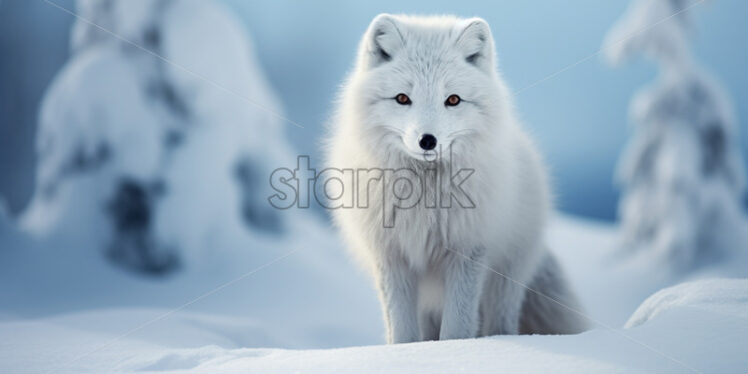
{"type": "Point", "coordinates": [432, 268]}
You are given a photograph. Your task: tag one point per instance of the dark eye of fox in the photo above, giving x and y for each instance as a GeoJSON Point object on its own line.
{"type": "Point", "coordinates": [452, 100]}
{"type": "Point", "coordinates": [402, 99]}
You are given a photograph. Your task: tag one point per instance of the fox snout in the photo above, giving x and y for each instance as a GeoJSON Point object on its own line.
{"type": "Point", "coordinates": [427, 142]}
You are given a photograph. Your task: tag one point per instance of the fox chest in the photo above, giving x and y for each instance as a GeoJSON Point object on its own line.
{"type": "Point", "coordinates": [419, 215]}
{"type": "Point", "coordinates": [424, 233]}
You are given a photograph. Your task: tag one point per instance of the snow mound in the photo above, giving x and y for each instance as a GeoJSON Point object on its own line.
{"type": "Point", "coordinates": [724, 296]}
{"type": "Point", "coordinates": [705, 338]}
{"type": "Point", "coordinates": [696, 333]}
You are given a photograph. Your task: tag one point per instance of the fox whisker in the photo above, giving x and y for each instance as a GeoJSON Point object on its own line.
{"type": "Point", "coordinates": [393, 129]}
{"type": "Point", "coordinates": [469, 131]}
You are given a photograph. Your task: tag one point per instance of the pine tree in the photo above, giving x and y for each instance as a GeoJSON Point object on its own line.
{"type": "Point", "coordinates": [682, 174]}
{"type": "Point", "coordinates": [156, 134]}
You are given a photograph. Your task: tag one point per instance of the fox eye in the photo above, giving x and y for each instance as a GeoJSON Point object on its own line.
{"type": "Point", "coordinates": [452, 100]}
{"type": "Point", "coordinates": [402, 99]}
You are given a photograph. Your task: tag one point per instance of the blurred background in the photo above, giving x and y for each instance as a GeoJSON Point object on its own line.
{"type": "Point", "coordinates": [579, 116]}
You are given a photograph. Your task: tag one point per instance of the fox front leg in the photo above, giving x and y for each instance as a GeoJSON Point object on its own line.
{"type": "Point", "coordinates": [463, 279]}
{"type": "Point", "coordinates": [397, 292]}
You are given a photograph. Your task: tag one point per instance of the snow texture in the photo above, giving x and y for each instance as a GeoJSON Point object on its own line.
{"type": "Point", "coordinates": [98, 319]}
{"type": "Point", "coordinates": [149, 148]}
{"type": "Point", "coordinates": [724, 296]}
{"type": "Point", "coordinates": [682, 175]}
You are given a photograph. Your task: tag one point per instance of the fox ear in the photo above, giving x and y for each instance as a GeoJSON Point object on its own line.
{"type": "Point", "coordinates": [383, 40]}
{"type": "Point", "coordinates": [476, 43]}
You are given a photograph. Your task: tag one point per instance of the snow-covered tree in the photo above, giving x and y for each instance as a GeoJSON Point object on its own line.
{"type": "Point", "coordinates": [158, 135]}
{"type": "Point", "coordinates": [682, 173]}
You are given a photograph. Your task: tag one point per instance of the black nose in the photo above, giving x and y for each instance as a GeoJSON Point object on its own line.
{"type": "Point", "coordinates": [427, 142]}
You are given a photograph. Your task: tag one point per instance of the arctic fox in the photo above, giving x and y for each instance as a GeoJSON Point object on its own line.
{"type": "Point", "coordinates": [466, 257]}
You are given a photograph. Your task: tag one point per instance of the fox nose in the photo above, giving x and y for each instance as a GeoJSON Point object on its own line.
{"type": "Point", "coordinates": [427, 142]}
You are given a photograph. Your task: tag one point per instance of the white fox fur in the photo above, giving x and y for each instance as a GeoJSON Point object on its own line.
{"type": "Point", "coordinates": [457, 271]}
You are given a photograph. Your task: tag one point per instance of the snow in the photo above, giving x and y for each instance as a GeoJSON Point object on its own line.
{"type": "Point", "coordinates": [62, 313]}
{"type": "Point", "coordinates": [682, 174]}
{"type": "Point", "coordinates": [596, 351]}
{"type": "Point", "coordinates": [725, 296]}
{"type": "Point", "coordinates": [654, 28]}
{"type": "Point", "coordinates": [292, 297]}
{"type": "Point", "coordinates": [149, 150]}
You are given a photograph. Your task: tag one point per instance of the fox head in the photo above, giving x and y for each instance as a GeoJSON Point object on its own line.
{"type": "Point", "coordinates": [426, 83]}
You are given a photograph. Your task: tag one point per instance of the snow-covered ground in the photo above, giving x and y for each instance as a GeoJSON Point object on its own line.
{"type": "Point", "coordinates": [287, 305]}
